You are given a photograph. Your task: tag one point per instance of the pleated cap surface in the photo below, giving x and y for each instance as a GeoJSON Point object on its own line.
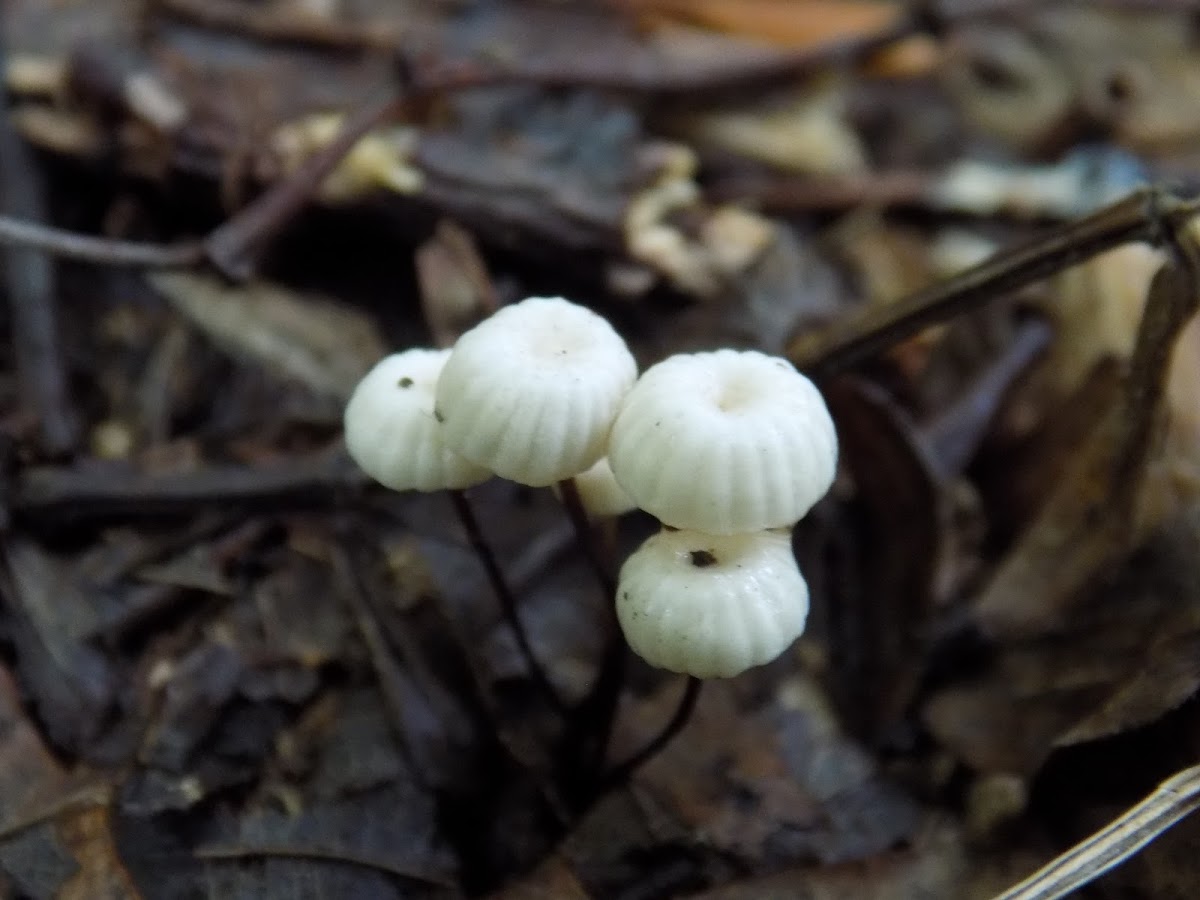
{"type": "Point", "coordinates": [532, 391]}
{"type": "Point", "coordinates": [712, 606]}
{"type": "Point", "coordinates": [724, 442]}
{"type": "Point", "coordinates": [391, 432]}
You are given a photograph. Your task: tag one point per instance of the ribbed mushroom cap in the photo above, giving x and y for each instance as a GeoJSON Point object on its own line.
{"type": "Point", "coordinates": [391, 431]}
{"type": "Point", "coordinates": [599, 492]}
{"type": "Point", "coordinates": [709, 605]}
{"type": "Point", "coordinates": [724, 442]}
{"type": "Point", "coordinates": [532, 392]}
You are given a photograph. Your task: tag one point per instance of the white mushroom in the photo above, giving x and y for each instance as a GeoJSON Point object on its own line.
{"type": "Point", "coordinates": [599, 492]}
{"type": "Point", "coordinates": [712, 606]}
{"type": "Point", "coordinates": [724, 442]}
{"type": "Point", "coordinates": [391, 431]}
{"type": "Point", "coordinates": [531, 393]}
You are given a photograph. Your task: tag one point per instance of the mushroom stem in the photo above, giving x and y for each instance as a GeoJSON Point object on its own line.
{"type": "Point", "coordinates": [586, 537]}
{"type": "Point", "coordinates": [508, 603]}
{"type": "Point", "coordinates": [621, 772]}
{"type": "Point", "coordinates": [596, 713]}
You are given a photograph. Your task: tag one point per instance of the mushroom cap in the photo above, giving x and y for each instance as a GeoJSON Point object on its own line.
{"type": "Point", "coordinates": [599, 492]}
{"type": "Point", "coordinates": [712, 606]}
{"type": "Point", "coordinates": [391, 432]}
{"type": "Point", "coordinates": [724, 442]}
{"type": "Point", "coordinates": [532, 391]}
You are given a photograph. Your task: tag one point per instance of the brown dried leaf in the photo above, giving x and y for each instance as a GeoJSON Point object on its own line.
{"type": "Point", "coordinates": [788, 23]}
{"type": "Point", "coordinates": [1091, 519]}
{"type": "Point", "coordinates": [874, 627]}
{"type": "Point", "coordinates": [323, 345]}
{"type": "Point", "coordinates": [1038, 81]}
{"type": "Point", "coordinates": [456, 290]}
{"type": "Point", "coordinates": [553, 879]}
{"type": "Point", "coordinates": [767, 783]}
{"type": "Point", "coordinates": [101, 876]}
{"type": "Point", "coordinates": [935, 867]}
{"type": "Point", "coordinates": [1123, 658]}
{"type": "Point", "coordinates": [29, 775]}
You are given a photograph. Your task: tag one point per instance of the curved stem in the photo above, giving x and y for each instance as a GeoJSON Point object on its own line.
{"type": "Point", "coordinates": [585, 537]}
{"type": "Point", "coordinates": [508, 603]}
{"type": "Point", "coordinates": [621, 772]}
{"type": "Point", "coordinates": [596, 714]}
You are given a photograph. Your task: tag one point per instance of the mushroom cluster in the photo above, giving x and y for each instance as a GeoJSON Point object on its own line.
{"type": "Point", "coordinates": [728, 449]}
{"type": "Point", "coordinates": [529, 394]}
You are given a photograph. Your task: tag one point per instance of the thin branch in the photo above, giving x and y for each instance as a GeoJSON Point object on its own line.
{"type": "Point", "coordinates": [233, 247]}
{"type": "Point", "coordinates": [86, 492]}
{"type": "Point", "coordinates": [103, 251]}
{"type": "Point", "coordinates": [1175, 798]}
{"type": "Point", "coordinates": [1146, 215]}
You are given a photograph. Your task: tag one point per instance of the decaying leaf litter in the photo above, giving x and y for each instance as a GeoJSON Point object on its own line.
{"type": "Point", "coordinates": [232, 666]}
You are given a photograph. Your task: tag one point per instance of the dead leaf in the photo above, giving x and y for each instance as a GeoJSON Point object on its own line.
{"type": "Point", "coordinates": [551, 880]}
{"type": "Point", "coordinates": [456, 290]}
{"type": "Point", "coordinates": [874, 627]}
{"type": "Point", "coordinates": [323, 345]}
{"type": "Point", "coordinates": [787, 23]}
{"type": "Point", "coordinates": [101, 876]}
{"type": "Point", "coordinates": [1124, 658]}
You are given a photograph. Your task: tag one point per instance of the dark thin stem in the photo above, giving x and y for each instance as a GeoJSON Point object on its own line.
{"type": "Point", "coordinates": [1145, 215]}
{"type": "Point", "coordinates": [621, 772]}
{"type": "Point", "coordinates": [585, 538]}
{"type": "Point", "coordinates": [596, 714]}
{"type": "Point", "coordinates": [508, 603]}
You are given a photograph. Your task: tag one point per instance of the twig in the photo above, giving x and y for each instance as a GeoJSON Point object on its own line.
{"type": "Point", "coordinates": [81, 493]}
{"type": "Point", "coordinates": [31, 286]}
{"type": "Point", "coordinates": [318, 854]}
{"type": "Point", "coordinates": [621, 772]}
{"type": "Point", "coordinates": [1175, 798]}
{"type": "Point", "coordinates": [1146, 215]}
{"type": "Point", "coordinates": [508, 603]}
{"type": "Point", "coordinates": [233, 247]}
{"type": "Point", "coordinates": [104, 251]}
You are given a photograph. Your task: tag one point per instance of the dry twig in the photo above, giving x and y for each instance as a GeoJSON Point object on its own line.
{"type": "Point", "coordinates": [1175, 798]}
